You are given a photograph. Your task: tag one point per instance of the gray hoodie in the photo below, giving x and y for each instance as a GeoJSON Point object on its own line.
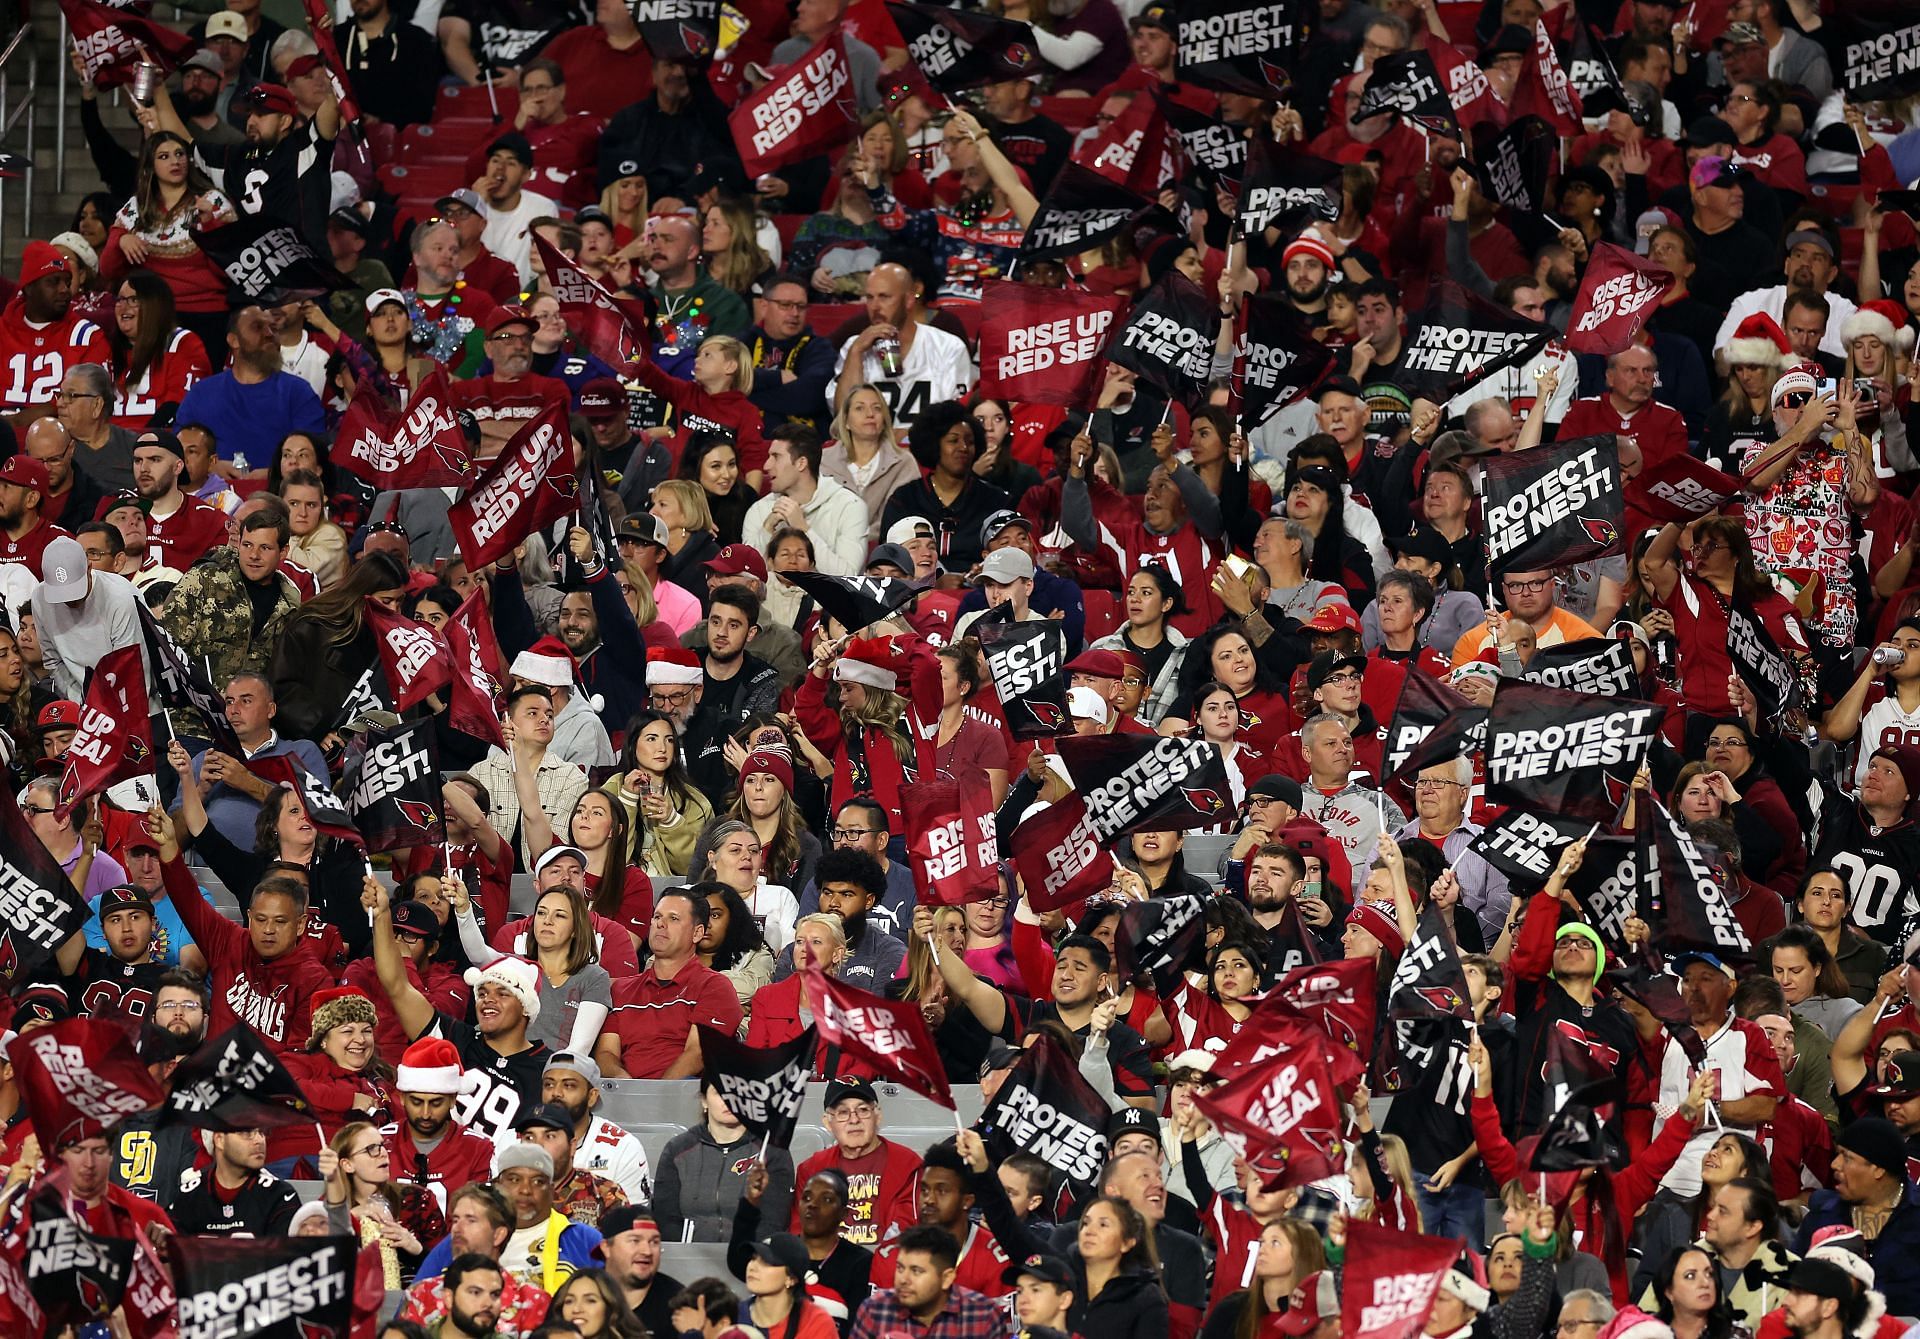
{"type": "Point", "coordinates": [699, 1183]}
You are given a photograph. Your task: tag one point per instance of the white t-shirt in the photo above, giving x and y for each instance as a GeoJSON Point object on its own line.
{"type": "Point", "coordinates": [1734, 1052]}
{"type": "Point", "coordinates": [507, 236]}
{"type": "Point", "coordinates": [936, 368]}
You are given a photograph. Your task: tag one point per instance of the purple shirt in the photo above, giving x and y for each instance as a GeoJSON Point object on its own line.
{"type": "Point", "coordinates": [104, 873]}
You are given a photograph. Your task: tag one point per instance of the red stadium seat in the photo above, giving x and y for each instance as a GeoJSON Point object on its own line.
{"type": "Point", "coordinates": [789, 226]}
{"type": "Point", "coordinates": [1852, 247]}
{"type": "Point", "coordinates": [431, 180]}
{"type": "Point", "coordinates": [823, 318]}
{"type": "Point", "coordinates": [1074, 114]}
{"type": "Point", "coordinates": [465, 101]}
{"type": "Point", "coordinates": [383, 142]}
{"type": "Point", "coordinates": [968, 314]}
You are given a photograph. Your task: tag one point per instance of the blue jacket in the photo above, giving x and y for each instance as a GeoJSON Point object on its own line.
{"type": "Point", "coordinates": [1893, 1252]}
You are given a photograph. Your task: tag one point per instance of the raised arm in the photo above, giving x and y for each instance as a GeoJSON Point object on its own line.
{"type": "Point", "coordinates": [983, 1001]}
{"type": "Point", "coordinates": [1003, 172]}
{"type": "Point", "coordinates": [410, 1007]}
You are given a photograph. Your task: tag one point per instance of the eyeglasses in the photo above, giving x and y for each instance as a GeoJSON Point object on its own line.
{"type": "Point", "coordinates": [850, 834]}
{"type": "Point", "coordinates": [1742, 97]}
{"type": "Point", "coordinates": [32, 809]}
{"type": "Point", "coordinates": [787, 304]}
{"type": "Point", "coordinates": [370, 1151]}
{"type": "Point", "coordinates": [1568, 1326]}
{"type": "Point", "coordinates": [1707, 545]}
{"type": "Point", "coordinates": [179, 1007]}
{"type": "Point", "coordinates": [126, 300]}
{"type": "Point", "coordinates": [846, 1111]}
{"type": "Point", "coordinates": [1433, 783]}
{"type": "Point", "coordinates": [508, 336]}
{"type": "Point", "coordinates": [77, 395]}
{"type": "Point", "coordinates": [671, 699]}
{"type": "Point", "coordinates": [1796, 399]}
{"type": "Point", "coordinates": [1527, 587]}
{"type": "Point", "coordinates": [1736, 742]}
{"type": "Point", "coordinates": [535, 88]}
{"type": "Point", "coordinates": [1344, 676]}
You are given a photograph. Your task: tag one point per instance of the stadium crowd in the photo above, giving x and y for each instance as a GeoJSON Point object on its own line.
{"type": "Point", "coordinates": [684, 801]}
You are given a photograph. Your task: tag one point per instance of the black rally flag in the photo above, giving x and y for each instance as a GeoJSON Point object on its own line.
{"type": "Point", "coordinates": [1514, 162]}
{"type": "Point", "coordinates": [1045, 1108]}
{"type": "Point", "coordinates": [267, 1288]}
{"type": "Point", "coordinates": [233, 1082]}
{"type": "Point", "coordinates": [1149, 783]}
{"type": "Point", "coordinates": [39, 909]}
{"type": "Point", "coordinates": [1697, 913]}
{"type": "Point", "coordinates": [673, 28]}
{"type": "Point", "coordinates": [1460, 338]}
{"type": "Point", "coordinates": [1758, 660]}
{"type": "Point", "coordinates": [1879, 48]}
{"type": "Point", "coordinates": [1553, 505]}
{"type": "Point", "coordinates": [1276, 359]}
{"type": "Point", "coordinates": [763, 1086]}
{"type": "Point", "coordinates": [1588, 67]}
{"type": "Point", "coordinates": [73, 1274]}
{"type": "Point", "coordinates": [323, 807]}
{"type": "Point", "coordinates": [1290, 944]}
{"type": "Point", "coordinates": [1607, 887]}
{"type": "Point", "coordinates": [959, 48]}
{"type": "Point", "coordinates": [1217, 150]}
{"type": "Point", "coordinates": [1576, 1135]}
{"type": "Point", "coordinates": [1601, 665]}
{"type": "Point", "coordinates": [1081, 210]}
{"type": "Point", "coordinates": [1168, 338]}
{"type": "Point", "coordinates": [1526, 846]}
{"type": "Point", "coordinates": [1564, 753]}
{"type": "Point", "coordinates": [1028, 664]}
{"type": "Point", "coordinates": [1286, 189]}
{"type": "Point", "coordinates": [393, 787]}
{"type": "Point", "coordinates": [268, 261]}
{"type": "Point", "coordinates": [1407, 84]}
{"type": "Point", "coordinates": [182, 687]}
{"type": "Point", "coordinates": [1158, 937]}
{"type": "Point", "coordinates": [1423, 704]}
{"type": "Point", "coordinates": [855, 601]}
{"type": "Point", "coordinates": [1460, 734]}
{"type": "Point", "coordinates": [1243, 46]}
{"type": "Point", "coordinates": [1428, 981]}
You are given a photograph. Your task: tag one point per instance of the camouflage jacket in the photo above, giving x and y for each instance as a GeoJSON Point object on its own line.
{"type": "Point", "coordinates": [210, 614]}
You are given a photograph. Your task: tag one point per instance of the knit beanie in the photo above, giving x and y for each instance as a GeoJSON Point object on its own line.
{"type": "Point", "coordinates": [335, 1006]}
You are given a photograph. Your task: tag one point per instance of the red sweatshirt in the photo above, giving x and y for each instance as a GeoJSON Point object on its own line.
{"type": "Point", "coordinates": [730, 413]}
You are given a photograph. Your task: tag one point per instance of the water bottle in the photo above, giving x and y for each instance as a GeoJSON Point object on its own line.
{"type": "Point", "coordinates": [1886, 657]}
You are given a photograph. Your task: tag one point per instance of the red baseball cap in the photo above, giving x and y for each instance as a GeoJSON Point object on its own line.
{"type": "Point", "coordinates": [737, 558]}
{"type": "Point", "coordinates": [505, 316]}
{"type": "Point", "coordinates": [61, 715]}
{"type": "Point", "coordinates": [1333, 618]}
{"type": "Point", "coordinates": [27, 473]}
{"type": "Point", "coordinates": [270, 98]}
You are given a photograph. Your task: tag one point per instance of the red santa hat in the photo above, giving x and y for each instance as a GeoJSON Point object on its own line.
{"type": "Point", "coordinates": [873, 662]}
{"type": "Point", "coordinates": [430, 1065]}
{"type": "Point", "coordinates": [673, 665]}
{"type": "Point", "coordinates": [1885, 320]}
{"type": "Point", "coordinates": [1309, 244]}
{"type": "Point", "coordinates": [547, 661]}
{"type": "Point", "coordinates": [1759, 341]}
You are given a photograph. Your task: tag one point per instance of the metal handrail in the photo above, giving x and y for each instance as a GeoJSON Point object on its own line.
{"type": "Point", "coordinates": [10, 115]}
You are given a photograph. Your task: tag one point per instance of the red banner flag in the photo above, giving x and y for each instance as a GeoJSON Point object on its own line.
{"type": "Point", "coordinates": [530, 484]}
{"type": "Point", "coordinates": [78, 1077]}
{"type": "Point", "coordinates": [320, 19]}
{"type": "Point", "coordinates": [109, 40]}
{"type": "Point", "coordinates": [115, 740]}
{"type": "Point", "coordinates": [889, 1035]}
{"type": "Point", "coordinates": [1391, 1280]}
{"type": "Point", "coordinates": [1679, 489]}
{"type": "Point", "coordinates": [1310, 1007]}
{"type": "Point", "coordinates": [1060, 855]}
{"type": "Point", "coordinates": [1043, 345]}
{"type": "Point", "coordinates": [420, 446]}
{"type": "Point", "coordinates": [951, 842]}
{"type": "Point", "coordinates": [1618, 293]}
{"type": "Point", "coordinates": [478, 688]}
{"type": "Point", "coordinates": [1138, 150]}
{"type": "Point", "coordinates": [1282, 1116]}
{"type": "Point", "coordinates": [605, 323]}
{"type": "Point", "coordinates": [324, 810]}
{"type": "Point", "coordinates": [806, 109]}
{"type": "Point", "coordinates": [416, 658]}
{"type": "Point", "coordinates": [1544, 89]}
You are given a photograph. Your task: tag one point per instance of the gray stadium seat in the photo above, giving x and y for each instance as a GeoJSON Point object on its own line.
{"type": "Point", "coordinates": [520, 897]}
{"type": "Point", "coordinates": [632, 1103]}
{"type": "Point", "coordinates": [1496, 1220]}
{"type": "Point", "coordinates": [1205, 852]}
{"type": "Point", "coordinates": [309, 1190]}
{"type": "Point", "coordinates": [690, 1260]}
{"type": "Point", "coordinates": [219, 897]}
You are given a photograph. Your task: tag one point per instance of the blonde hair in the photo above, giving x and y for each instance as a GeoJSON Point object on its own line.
{"type": "Point", "coordinates": [692, 500]}
{"type": "Point", "coordinates": [842, 434]}
{"type": "Point", "coordinates": [742, 359]}
{"type": "Point", "coordinates": [835, 928]}
{"type": "Point", "coordinates": [635, 219]}
{"type": "Point", "coordinates": [742, 261]}
{"type": "Point", "coordinates": [645, 610]}
{"type": "Point", "coordinates": [920, 967]}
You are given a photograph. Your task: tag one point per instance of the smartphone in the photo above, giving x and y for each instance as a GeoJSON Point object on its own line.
{"type": "Point", "coordinates": [1237, 565]}
{"type": "Point", "coordinates": [1310, 888]}
{"type": "Point", "coordinates": [1826, 388]}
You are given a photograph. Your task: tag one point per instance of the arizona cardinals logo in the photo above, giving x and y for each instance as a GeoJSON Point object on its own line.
{"type": "Point", "coordinates": [1018, 57]}
{"type": "Point", "coordinates": [1433, 125]}
{"type": "Point", "coordinates": [1443, 998]}
{"type": "Point", "coordinates": [9, 956]}
{"type": "Point", "coordinates": [1204, 801]}
{"type": "Point", "coordinates": [1600, 531]}
{"type": "Point", "coordinates": [138, 750]}
{"type": "Point", "coordinates": [417, 812]}
{"type": "Point", "coordinates": [695, 41]}
{"type": "Point", "coordinates": [1278, 78]}
{"type": "Point", "coordinates": [313, 1329]}
{"type": "Point", "coordinates": [1604, 1057]}
{"type": "Point", "coordinates": [92, 1296]}
{"type": "Point", "coordinates": [1048, 714]}
{"type": "Point", "coordinates": [458, 461]}
{"type": "Point", "coordinates": [1249, 720]}
{"type": "Point", "coordinates": [1617, 789]}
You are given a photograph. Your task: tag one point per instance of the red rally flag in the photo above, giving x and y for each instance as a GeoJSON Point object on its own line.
{"type": "Point", "coordinates": [421, 446]}
{"type": "Point", "coordinates": [1618, 293]}
{"type": "Point", "coordinates": [1139, 151]}
{"type": "Point", "coordinates": [1390, 1281]}
{"type": "Point", "coordinates": [78, 1077]}
{"type": "Point", "coordinates": [807, 108]}
{"type": "Point", "coordinates": [951, 843]}
{"type": "Point", "coordinates": [1544, 89]}
{"type": "Point", "coordinates": [530, 484]}
{"type": "Point", "coordinates": [416, 658]}
{"type": "Point", "coordinates": [603, 322]}
{"type": "Point", "coordinates": [324, 810]}
{"type": "Point", "coordinates": [1283, 1116]}
{"type": "Point", "coordinates": [109, 40]}
{"type": "Point", "coordinates": [1043, 345]}
{"type": "Point", "coordinates": [320, 19]}
{"type": "Point", "coordinates": [115, 739]}
{"type": "Point", "coordinates": [887, 1034]}
{"type": "Point", "coordinates": [477, 691]}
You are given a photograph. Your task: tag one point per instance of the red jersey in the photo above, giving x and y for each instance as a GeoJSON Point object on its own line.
{"type": "Point", "coordinates": [188, 535]}
{"type": "Point", "coordinates": [489, 881]}
{"type": "Point", "coordinates": [34, 360]}
{"type": "Point", "coordinates": [510, 405]}
{"type": "Point", "coordinates": [883, 1195]}
{"type": "Point", "coordinates": [1658, 429]}
{"type": "Point", "coordinates": [1700, 626]}
{"type": "Point", "coordinates": [1188, 556]}
{"type": "Point", "coordinates": [27, 550]}
{"type": "Point", "coordinates": [730, 414]}
{"type": "Point", "coordinates": [1777, 161]}
{"type": "Point", "coordinates": [982, 1262]}
{"type": "Point", "coordinates": [166, 380]}
{"type": "Point", "coordinates": [461, 1156]}
{"type": "Point", "coordinates": [654, 1018]}
{"type": "Point", "coordinates": [1235, 1234]}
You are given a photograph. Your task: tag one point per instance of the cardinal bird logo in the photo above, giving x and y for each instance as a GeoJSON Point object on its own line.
{"type": "Point", "coordinates": [457, 461]}
{"type": "Point", "coordinates": [9, 957]}
{"type": "Point", "coordinates": [1018, 57]}
{"type": "Point", "coordinates": [92, 1296]}
{"type": "Point", "coordinates": [418, 813]}
{"type": "Point", "coordinates": [1600, 531]}
{"type": "Point", "coordinates": [1049, 714]}
{"type": "Point", "coordinates": [1616, 790]}
{"type": "Point", "coordinates": [1205, 801]}
{"type": "Point", "coordinates": [695, 41]}
{"type": "Point", "coordinates": [313, 1329]}
{"type": "Point", "coordinates": [1277, 77]}
{"type": "Point", "coordinates": [1443, 998]}
{"type": "Point", "coordinates": [1249, 720]}
{"type": "Point", "coordinates": [138, 750]}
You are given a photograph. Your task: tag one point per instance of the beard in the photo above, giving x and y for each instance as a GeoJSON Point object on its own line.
{"type": "Point", "coordinates": [430, 1128]}
{"type": "Point", "coordinates": [854, 927]}
{"type": "Point", "coordinates": [195, 104]}
{"type": "Point", "coordinates": [1315, 294]}
{"type": "Point", "coordinates": [1268, 900]}
{"type": "Point", "coordinates": [479, 1325]}
{"type": "Point", "coordinates": [727, 658]}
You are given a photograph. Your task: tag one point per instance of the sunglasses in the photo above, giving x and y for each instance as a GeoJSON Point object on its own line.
{"type": "Point", "coordinates": [1796, 399]}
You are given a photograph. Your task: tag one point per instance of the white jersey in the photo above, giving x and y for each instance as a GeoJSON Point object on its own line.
{"type": "Point", "coordinates": [1881, 724]}
{"type": "Point", "coordinates": [609, 1151]}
